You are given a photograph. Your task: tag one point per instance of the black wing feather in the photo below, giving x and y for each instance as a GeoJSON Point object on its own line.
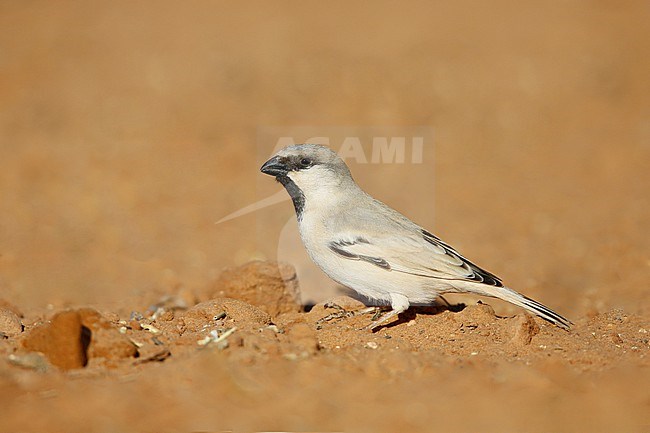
{"type": "Point", "coordinates": [478, 274]}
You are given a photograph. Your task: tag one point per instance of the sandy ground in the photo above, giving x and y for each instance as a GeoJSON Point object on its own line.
{"type": "Point", "coordinates": [128, 129]}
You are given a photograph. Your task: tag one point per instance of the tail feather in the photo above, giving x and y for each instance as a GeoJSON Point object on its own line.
{"type": "Point", "coordinates": [531, 305]}
{"type": "Point", "coordinates": [546, 313]}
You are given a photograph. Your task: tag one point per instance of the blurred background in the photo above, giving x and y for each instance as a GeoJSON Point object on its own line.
{"type": "Point", "coordinates": [127, 129]}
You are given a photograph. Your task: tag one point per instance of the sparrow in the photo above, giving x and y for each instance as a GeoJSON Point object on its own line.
{"type": "Point", "coordinates": [365, 245]}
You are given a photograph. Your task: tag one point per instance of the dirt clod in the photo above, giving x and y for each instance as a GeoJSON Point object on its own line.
{"type": "Point", "coordinates": [202, 315]}
{"type": "Point", "coordinates": [271, 286]}
{"type": "Point", "coordinates": [61, 340]}
{"type": "Point", "coordinates": [73, 337]}
{"type": "Point", "coordinates": [523, 329]}
{"type": "Point", "coordinates": [10, 324]}
{"type": "Point", "coordinates": [105, 339]}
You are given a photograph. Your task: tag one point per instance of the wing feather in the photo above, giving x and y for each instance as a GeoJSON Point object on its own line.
{"type": "Point", "coordinates": [421, 253]}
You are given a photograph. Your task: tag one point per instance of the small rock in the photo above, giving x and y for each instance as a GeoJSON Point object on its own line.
{"type": "Point", "coordinates": [202, 315]}
{"type": "Point", "coordinates": [371, 345]}
{"type": "Point", "coordinates": [62, 341]}
{"type": "Point", "coordinates": [106, 341]}
{"type": "Point", "coordinates": [73, 337]}
{"type": "Point", "coordinates": [523, 329]}
{"type": "Point", "coordinates": [269, 285]}
{"type": "Point", "coordinates": [10, 323]}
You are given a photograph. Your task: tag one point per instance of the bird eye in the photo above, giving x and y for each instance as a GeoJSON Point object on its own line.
{"type": "Point", "coordinates": [306, 163]}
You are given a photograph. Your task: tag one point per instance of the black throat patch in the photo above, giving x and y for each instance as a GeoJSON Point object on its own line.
{"type": "Point", "coordinates": [295, 193]}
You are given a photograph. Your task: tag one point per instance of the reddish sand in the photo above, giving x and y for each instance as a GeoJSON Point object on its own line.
{"type": "Point", "coordinates": [128, 129]}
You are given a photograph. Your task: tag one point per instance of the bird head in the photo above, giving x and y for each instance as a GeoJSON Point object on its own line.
{"type": "Point", "coordinates": [310, 167]}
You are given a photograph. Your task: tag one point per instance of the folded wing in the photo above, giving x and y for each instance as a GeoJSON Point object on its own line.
{"type": "Point", "coordinates": [420, 253]}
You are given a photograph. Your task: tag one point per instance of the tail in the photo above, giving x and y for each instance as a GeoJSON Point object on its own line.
{"type": "Point", "coordinates": [531, 305]}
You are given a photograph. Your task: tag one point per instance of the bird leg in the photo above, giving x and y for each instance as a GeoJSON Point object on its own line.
{"type": "Point", "coordinates": [382, 318]}
{"type": "Point", "coordinates": [399, 304]}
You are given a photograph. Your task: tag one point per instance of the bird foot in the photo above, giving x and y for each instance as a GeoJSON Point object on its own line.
{"type": "Point", "coordinates": [378, 319]}
{"type": "Point", "coordinates": [341, 313]}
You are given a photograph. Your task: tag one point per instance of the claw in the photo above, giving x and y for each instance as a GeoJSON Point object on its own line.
{"type": "Point", "coordinates": [379, 318]}
{"type": "Point", "coordinates": [341, 313]}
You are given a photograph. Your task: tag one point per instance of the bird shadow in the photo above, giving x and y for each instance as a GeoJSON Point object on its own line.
{"type": "Point", "coordinates": [439, 306]}
{"type": "Point", "coordinates": [428, 310]}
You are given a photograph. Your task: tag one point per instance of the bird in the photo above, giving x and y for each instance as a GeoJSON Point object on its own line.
{"type": "Point", "coordinates": [365, 245]}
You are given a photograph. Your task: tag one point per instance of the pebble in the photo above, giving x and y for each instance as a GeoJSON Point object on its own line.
{"type": "Point", "coordinates": [10, 324]}
{"type": "Point", "coordinates": [523, 329]}
{"type": "Point", "coordinates": [372, 345]}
